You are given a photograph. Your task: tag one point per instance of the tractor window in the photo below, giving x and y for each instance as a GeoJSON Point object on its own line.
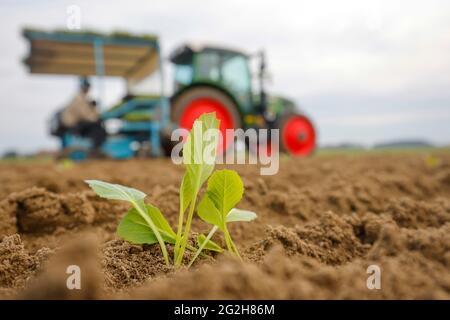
{"type": "Point", "coordinates": [209, 66]}
{"type": "Point", "coordinates": [183, 75]}
{"type": "Point", "coordinates": [236, 77]}
{"type": "Point", "coordinates": [235, 73]}
{"type": "Point", "coordinates": [228, 70]}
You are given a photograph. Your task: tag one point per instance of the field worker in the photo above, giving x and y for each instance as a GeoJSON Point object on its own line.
{"type": "Point", "coordinates": [81, 117]}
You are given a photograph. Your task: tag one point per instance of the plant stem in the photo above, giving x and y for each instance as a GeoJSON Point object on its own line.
{"type": "Point", "coordinates": [186, 232]}
{"type": "Point", "coordinates": [181, 211]}
{"type": "Point", "coordinates": [235, 248]}
{"type": "Point", "coordinates": [179, 232]}
{"type": "Point", "coordinates": [189, 247]}
{"type": "Point", "coordinates": [139, 208]}
{"type": "Point", "coordinates": [208, 237]}
{"type": "Point", "coordinates": [230, 244]}
{"type": "Point", "coordinates": [226, 235]}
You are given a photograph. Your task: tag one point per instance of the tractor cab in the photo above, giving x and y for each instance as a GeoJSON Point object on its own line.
{"type": "Point", "coordinates": [216, 66]}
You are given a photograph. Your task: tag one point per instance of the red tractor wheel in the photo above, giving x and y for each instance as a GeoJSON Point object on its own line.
{"type": "Point", "coordinates": [297, 135]}
{"type": "Point", "coordinates": [194, 102]}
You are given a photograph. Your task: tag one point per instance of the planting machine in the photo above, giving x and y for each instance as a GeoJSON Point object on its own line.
{"type": "Point", "coordinates": [207, 78]}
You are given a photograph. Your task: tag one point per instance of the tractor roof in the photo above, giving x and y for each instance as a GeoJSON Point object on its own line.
{"type": "Point", "coordinates": [185, 51]}
{"type": "Point", "coordinates": [91, 53]}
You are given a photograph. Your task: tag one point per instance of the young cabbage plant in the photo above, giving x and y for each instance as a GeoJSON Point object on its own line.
{"type": "Point", "coordinates": [143, 223]}
{"type": "Point", "coordinates": [217, 207]}
{"type": "Point", "coordinates": [199, 157]}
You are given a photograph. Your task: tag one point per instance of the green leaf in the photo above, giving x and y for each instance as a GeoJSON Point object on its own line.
{"type": "Point", "coordinates": [211, 245]}
{"type": "Point", "coordinates": [132, 227]}
{"type": "Point", "coordinates": [160, 222]}
{"type": "Point", "coordinates": [198, 154]}
{"type": "Point", "coordinates": [240, 215]}
{"type": "Point", "coordinates": [186, 192]}
{"type": "Point", "coordinates": [225, 189]}
{"type": "Point", "coordinates": [115, 191]}
{"type": "Point", "coordinates": [135, 229]}
{"type": "Point", "coordinates": [208, 212]}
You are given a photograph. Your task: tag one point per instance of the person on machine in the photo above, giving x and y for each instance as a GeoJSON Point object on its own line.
{"type": "Point", "coordinates": [80, 117]}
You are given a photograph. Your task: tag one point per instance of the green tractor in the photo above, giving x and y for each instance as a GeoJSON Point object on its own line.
{"type": "Point", "coordinates": [207, 79]}
{"type": "Point", "coordinates": [211, 78]}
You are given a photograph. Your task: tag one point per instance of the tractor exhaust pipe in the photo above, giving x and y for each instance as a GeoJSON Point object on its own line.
{"type": "Point", "coordinates": [263, 104]}
{"type": "Point", "coordinates": [261, 76]}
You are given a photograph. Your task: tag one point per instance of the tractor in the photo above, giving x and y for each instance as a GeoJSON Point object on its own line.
{"type": "Point", "coordinates": [207, 78]}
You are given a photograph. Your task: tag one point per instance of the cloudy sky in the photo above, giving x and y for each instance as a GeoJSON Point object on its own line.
{"type": "Point", "coordinates": [365, 71]}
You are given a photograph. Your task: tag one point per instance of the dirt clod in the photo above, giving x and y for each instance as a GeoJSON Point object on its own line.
{"type": "Point", "coordinates": [16, 264]}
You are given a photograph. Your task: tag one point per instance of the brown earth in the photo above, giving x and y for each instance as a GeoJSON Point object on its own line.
{"type": "Point", "coordinates": [321, 222]}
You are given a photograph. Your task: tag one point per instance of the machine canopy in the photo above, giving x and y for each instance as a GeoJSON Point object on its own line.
{"type": "Point", "coordinates": [89, 53]}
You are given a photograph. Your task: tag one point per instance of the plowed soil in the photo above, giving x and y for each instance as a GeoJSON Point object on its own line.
{"type": "Point", "coordinates": [321, 222]}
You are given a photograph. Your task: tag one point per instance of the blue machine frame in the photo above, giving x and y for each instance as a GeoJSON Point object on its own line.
{"type": "Point", "coordinates": [115, 146]}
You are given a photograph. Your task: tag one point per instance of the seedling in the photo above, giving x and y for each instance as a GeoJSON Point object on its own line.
{"type": "Point", "coordinates": [199, 159]}
{"type": "Point", "coordinates": [145, 224]}
{"type": "Point", "coordinates": [225, 190]}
